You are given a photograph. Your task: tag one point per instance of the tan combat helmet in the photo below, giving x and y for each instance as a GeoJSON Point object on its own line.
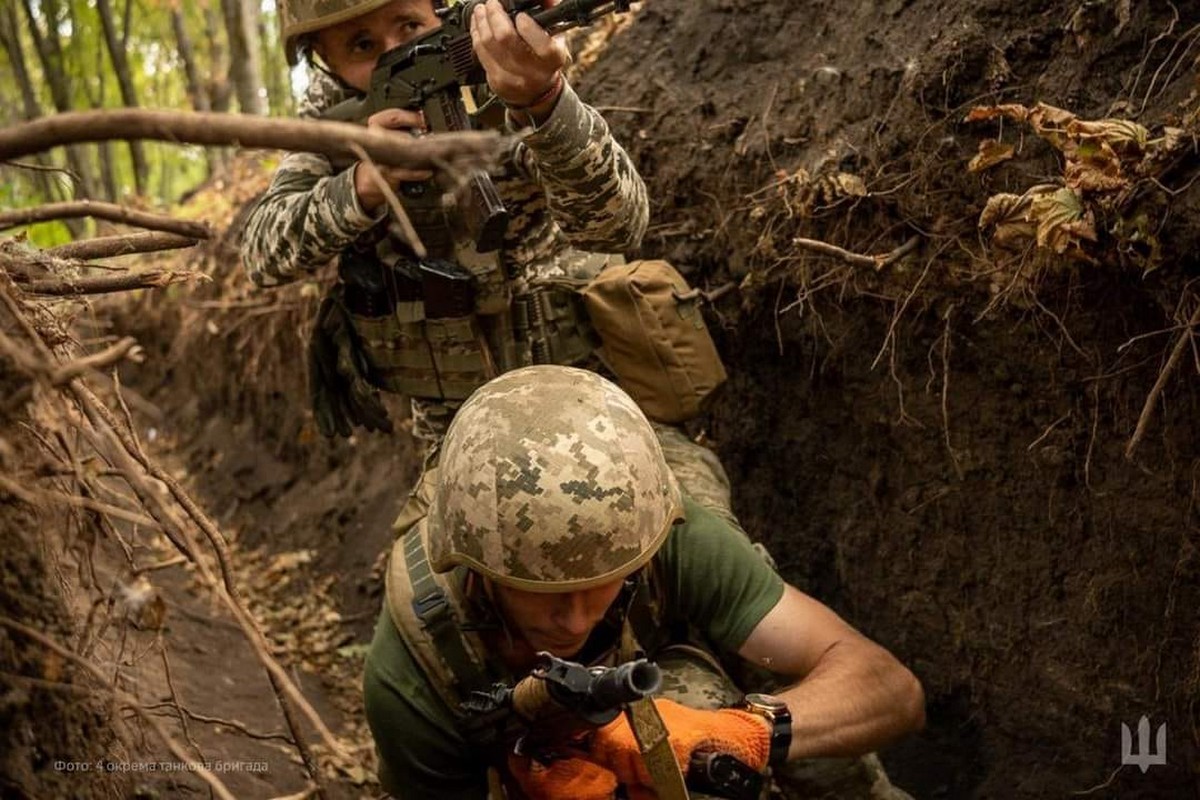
{"type": "Point", "coordinates": [551, 480]}
{"type": "Point", "coordinates": [298, 17]}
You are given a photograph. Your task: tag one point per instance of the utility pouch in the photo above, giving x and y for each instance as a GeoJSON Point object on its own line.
{"type": "Point", "coordinates": [448, 290]}
{"type": "Point", "coordinates": [654, 338]}
{"type": "Point", "coordinates": [416, 324]}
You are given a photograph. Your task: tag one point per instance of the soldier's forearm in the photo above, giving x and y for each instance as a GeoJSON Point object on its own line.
{"type": "Point", "coordinates": [596, 195]}
{"type": "Point", "coordinates": [857, 699]}
{"type": "Point", "coordinates": [303, 222]}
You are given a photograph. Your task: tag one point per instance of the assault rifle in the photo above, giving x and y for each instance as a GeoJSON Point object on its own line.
{"type": "Point", "coordinates": [560, 700]}
{"type": "Point", "coordinates": [428, 75]}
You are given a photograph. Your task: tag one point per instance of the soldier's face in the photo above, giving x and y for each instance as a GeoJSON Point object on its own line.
{"type": "Point", "coordinates": [350, 49]}
{"type": "Point", "coordinates": [559, 623]}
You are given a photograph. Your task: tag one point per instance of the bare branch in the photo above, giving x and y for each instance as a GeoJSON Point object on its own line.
{"type": "Point", "coordinates": [109, 246]}
{"type": "Point", "coordinates": [410, 236]}
{"type": "Point", "coordinates": [227, 723]}
{"type": "Point", "coordinates": [126, 348]}
{"type": "Point", "coordinates": [176, 749]}
{"type": "Point", "coordinates": [857, 259]}
{"type": "Point", "coordinates": [1156, 391]}
{"type": "Point", "coordinates": [108, 211]}
{"type": "Point", "coordinates": [43, 168]}
{"type": "Point", "coordinates": [149, 279]}
{"type": "Point", "coordinates": [391, 148]}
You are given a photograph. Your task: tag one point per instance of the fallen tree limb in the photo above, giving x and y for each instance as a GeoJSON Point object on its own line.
{"type": "Point", "coordinates": [106, 211]}
{"type": "Point", "coordinates": [105, 284]}
{"type": "Point", "coordinates": [334, 139]}
{"type": "Point", "coordinates": [109, 246]}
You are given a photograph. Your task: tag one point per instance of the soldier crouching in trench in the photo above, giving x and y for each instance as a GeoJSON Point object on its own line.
{"type": "Point", "coordinates": [556, 526]}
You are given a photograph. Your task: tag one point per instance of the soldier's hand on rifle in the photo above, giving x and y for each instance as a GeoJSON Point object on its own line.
{"type": "Point", "coordinates": [740, 734]}
{"type": "Point", "coordinates": [564, 779]}
{"type": "Point", "coordinates": [523, 63]}
{"type": "Point", "coordinates": [398, 119]}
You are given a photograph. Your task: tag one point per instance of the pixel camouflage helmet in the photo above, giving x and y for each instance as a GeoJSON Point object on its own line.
{"type": "Point", "coordinates": [551, 479]}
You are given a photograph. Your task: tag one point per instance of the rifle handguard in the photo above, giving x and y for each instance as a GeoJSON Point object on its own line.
{"type": "Point", "coordinates": [594, 694]}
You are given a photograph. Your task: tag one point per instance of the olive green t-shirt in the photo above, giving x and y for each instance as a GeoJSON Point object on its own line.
{"type": "Point", "coordinates": [713, 578]}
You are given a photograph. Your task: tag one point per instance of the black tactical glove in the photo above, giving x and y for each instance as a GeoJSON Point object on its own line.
{"type": "Point", "coordinates": [337, 374]}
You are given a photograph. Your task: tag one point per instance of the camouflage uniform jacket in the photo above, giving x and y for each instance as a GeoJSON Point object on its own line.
{"type": "Point", "coordinates": [568, 186]}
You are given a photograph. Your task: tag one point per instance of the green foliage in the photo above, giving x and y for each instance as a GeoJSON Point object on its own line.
{"type": "Point", "coordinates": [159, 78]}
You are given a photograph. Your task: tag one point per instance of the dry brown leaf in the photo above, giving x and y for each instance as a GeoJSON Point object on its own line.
{"type": "Point", "coordinates": [1123, 135]}
{"type": "Point", "coordinates": [154, 614]}
{"type": "Point", "coordinates": [1008, 215]}
{"type": "Point", "coordinates": [991, 153]}
{"type": "Point", "coordinates": [1062, 222]}
{"type": "Point", "coordinates": [851, 185]}
{"type": "Point", "coordinates": [1013, 111]}
{"type": "Point", "coordinates": [1095, 176]}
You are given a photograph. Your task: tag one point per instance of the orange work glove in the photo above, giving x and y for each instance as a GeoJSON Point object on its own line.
{"type": "Point", "coordinates": [565, 779]}
{"type": "Point", "coordinates": [737, 733]}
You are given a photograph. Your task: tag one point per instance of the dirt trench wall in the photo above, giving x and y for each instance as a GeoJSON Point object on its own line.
{"type": "Point", "coordinates": [945, 471]}
{"type": "Point", "coordinates": [52, 730]}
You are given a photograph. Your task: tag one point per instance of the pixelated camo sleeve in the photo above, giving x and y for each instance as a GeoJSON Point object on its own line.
{"type": "Point", "coordinates": [308, 213]}
{"type": "Point", "coordinates": [595, 194]}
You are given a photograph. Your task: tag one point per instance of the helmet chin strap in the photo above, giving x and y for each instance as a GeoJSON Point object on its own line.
{"type": "Point", "coordinates": [492, 607]}
{"type": "Point", "coordinates": [316, 62]}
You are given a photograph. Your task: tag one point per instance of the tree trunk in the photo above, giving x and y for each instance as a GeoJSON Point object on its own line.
{"type": "Point", "coordinates": [10, 40]}
{"type": "Point", "coordinates": [49, 52]}
{"type": "Point", "coordinates": [120, 63]}
{"type": "Point", "coordinates": [220, 92]}
{"type": "Point", "coordinates": [197, 92]}
{"type": "Point", "coordinates": [241, 23]}
{"type": "Point", "coordinates": [196, 89]}
{"type": "Point", "coordinates": [276, 72]}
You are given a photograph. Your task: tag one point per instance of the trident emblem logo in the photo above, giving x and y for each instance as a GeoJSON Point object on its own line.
{"type": "Point", "coordinates": [1144, 758]}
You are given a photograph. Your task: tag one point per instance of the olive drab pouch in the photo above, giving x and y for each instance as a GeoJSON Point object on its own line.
{"type": "Point", "coordinates": [654, 338]}
{"type": "Point", "coordinates": [417, 327]}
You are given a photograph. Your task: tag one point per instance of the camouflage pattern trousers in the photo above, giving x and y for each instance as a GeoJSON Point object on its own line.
{"type": "Point", "coordinates": [692, 676]}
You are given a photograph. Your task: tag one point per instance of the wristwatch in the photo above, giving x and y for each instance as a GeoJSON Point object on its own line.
{"type": "Point", "coordinates": [776, 712]}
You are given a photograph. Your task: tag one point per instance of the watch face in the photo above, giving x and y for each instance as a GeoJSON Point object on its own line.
{"type": "Point", "coordinates": [764, 701]}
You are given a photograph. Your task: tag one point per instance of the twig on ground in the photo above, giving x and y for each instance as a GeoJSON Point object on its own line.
{"type": "Point", "coordinates": [228, 723]}
{"type": "Point", "coordinates": [1047, 432]}
{"type": "Point", "coordinates": [126, 348]}
{"type": "Point", "coordinates": [106, 211]}
{"type": "Point", "coordinates": [109, 246]}
{"type": "Point", "coordinates": [174, 701]}
{"type": "Point", "coordinates": [1164, 375]}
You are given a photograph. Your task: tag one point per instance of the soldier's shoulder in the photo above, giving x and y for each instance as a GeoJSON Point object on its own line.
{"type": "Point", "coordinates": [323, 92]}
